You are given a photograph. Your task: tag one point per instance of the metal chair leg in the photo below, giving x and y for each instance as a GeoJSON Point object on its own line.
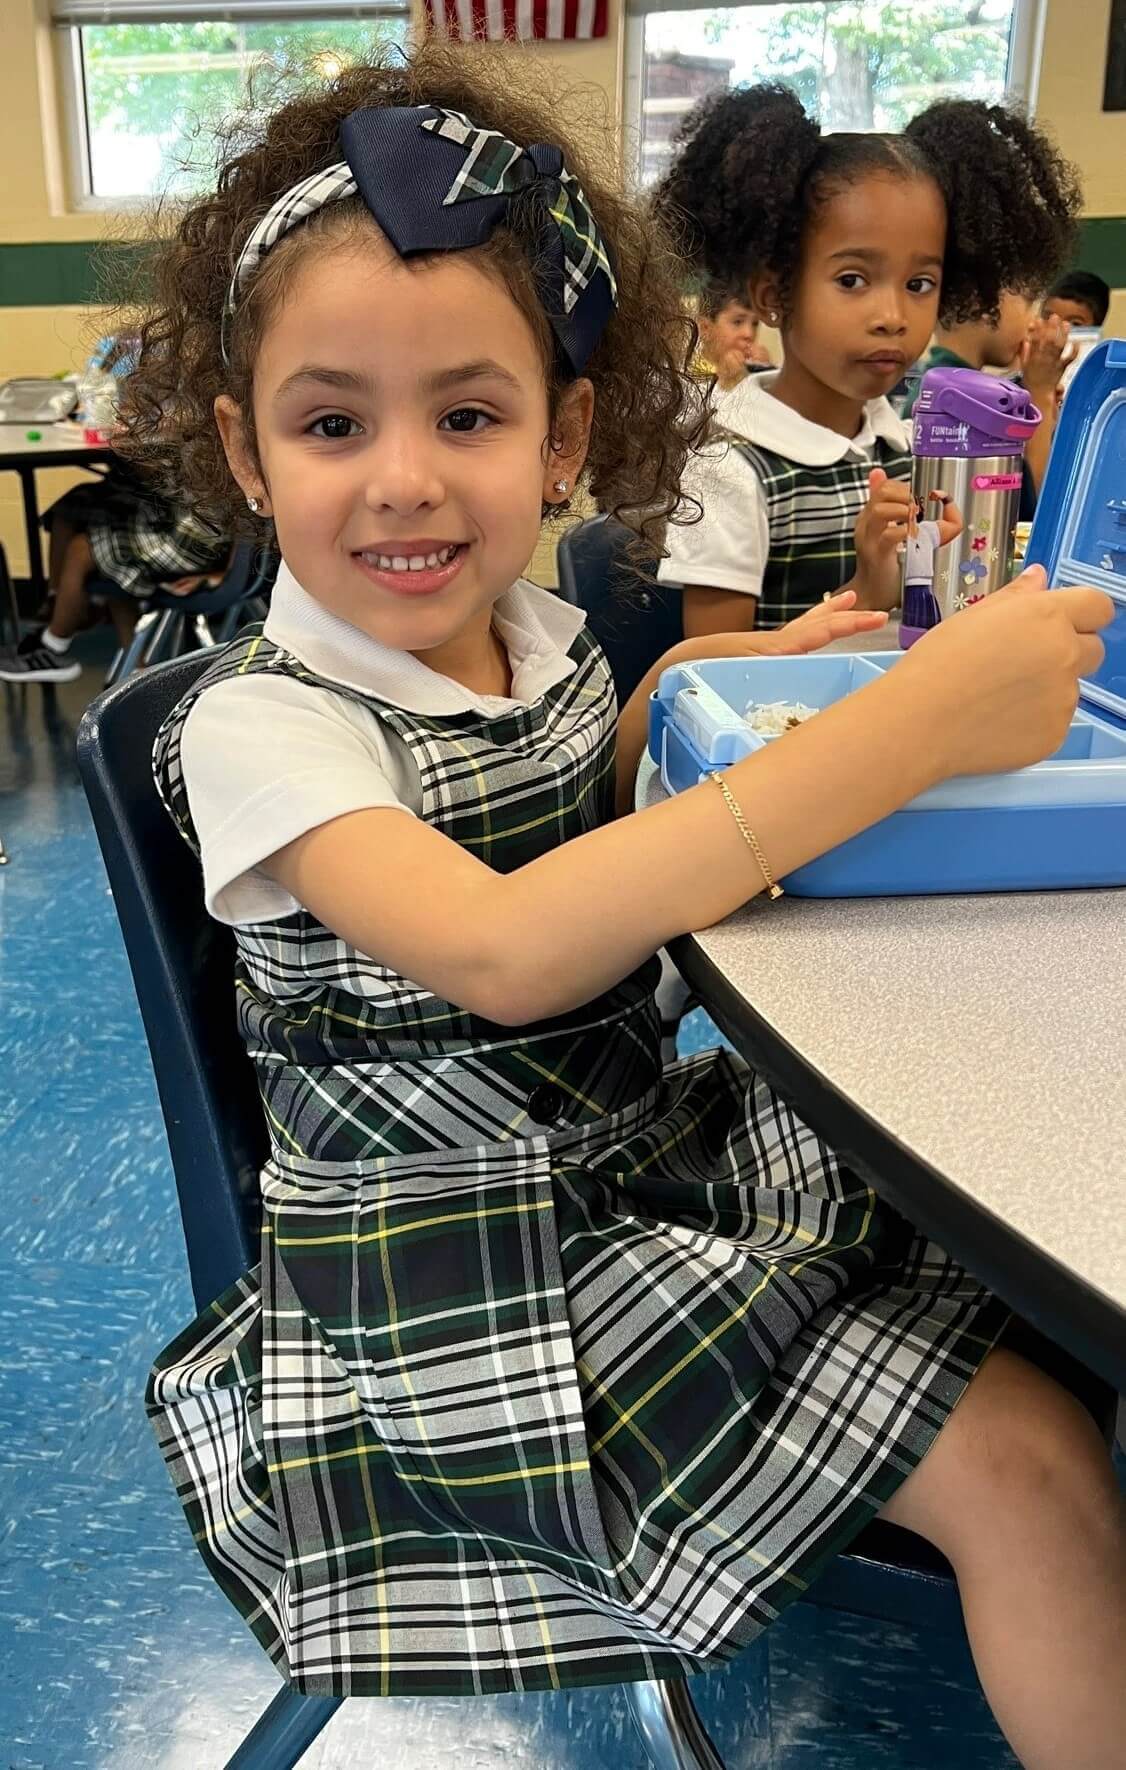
{"type": "Point", "coordinates": [167, 630]}
{"type": "Point", "coordinates": [283, 1734]}
{"type": "Point", "coordinates": [670, 1728]}
{"type": "Point", "coordinates": [3, 853]}
{"type": "Point", "coordinates": [127, 662]}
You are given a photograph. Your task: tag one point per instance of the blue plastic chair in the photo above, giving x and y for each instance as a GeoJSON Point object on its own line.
{"type": "Point", "coordinates": [178, 619]}
{"type": "Point", "coordinates": [634, 619]}
{"type": "Point", "coordinates": [182, 965]}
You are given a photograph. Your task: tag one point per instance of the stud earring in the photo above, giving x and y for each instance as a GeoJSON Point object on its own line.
{"type": "Point", "coordinates": [561, 485]}
{"type": "Point", "coordinates": [253, 504]}
{"type": "Point", "coordinates": [773, 317]}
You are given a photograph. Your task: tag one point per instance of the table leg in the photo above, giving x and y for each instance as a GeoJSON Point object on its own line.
{"type": "Point", "coordinates": [31, 523]}
{"type": "Point", "coordinates": [12, 610]}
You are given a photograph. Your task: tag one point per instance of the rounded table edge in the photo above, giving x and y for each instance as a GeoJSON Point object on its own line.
{"type": "Point", "coordinates": [1049, 1296]}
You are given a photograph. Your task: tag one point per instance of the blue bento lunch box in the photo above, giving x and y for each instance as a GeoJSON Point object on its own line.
{"type": "Point", "coordinates": [1060, 824]}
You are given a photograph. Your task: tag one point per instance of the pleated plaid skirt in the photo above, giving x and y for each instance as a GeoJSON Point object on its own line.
{"type": "Point", "coordinates": [556, 1369]}
{"type": "Point", "coordinates": [138, 539]}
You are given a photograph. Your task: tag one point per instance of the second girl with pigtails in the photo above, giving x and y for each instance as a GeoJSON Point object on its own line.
{"type": "Point", "coordinates": [855, 247]}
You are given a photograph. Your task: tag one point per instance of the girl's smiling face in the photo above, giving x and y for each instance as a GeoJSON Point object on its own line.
{"type": "Point", "coordinates": [866, 299]}
{"type": "Point", "coordinates": [401, 426]}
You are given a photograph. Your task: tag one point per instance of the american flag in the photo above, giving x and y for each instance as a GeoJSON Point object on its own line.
{"type": "Point", "coordinates": [523, 20]}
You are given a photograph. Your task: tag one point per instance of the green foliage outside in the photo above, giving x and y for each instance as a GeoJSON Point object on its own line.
{"type": "Point", "coordinates": [174, 82]}
{"type": "Point", "coordinates": [872, 64]}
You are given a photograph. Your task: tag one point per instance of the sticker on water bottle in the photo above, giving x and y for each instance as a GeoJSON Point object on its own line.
{"type": "Point", "coordinates": [996, 482]}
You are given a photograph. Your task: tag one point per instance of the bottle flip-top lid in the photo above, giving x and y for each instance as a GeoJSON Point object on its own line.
{"type": "Point", "coordinates": [1079, 535]}
{"type": "Point", "coordinates": [966, 412]}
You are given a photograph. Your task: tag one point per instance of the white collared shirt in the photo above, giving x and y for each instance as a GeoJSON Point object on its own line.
{"type": "Point", "coordinates": [267, 758]}
{"type": "Point", "coordinates": [729, 547]}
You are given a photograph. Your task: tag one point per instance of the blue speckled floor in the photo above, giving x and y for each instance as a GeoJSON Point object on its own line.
{"type": "Point", "coordinates": [116, 1653]}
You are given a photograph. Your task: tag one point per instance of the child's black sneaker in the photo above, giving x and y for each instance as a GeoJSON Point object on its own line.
{"type": "Point", "coordinates": [38, 664]}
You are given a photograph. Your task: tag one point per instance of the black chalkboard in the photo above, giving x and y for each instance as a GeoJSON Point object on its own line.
{"type": "Point", "coordinates": [1114, 92]}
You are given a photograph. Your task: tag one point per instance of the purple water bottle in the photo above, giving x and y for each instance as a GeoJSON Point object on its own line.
{"type": "Point", "coordinates": [969, 435]}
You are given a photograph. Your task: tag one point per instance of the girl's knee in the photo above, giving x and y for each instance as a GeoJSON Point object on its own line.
{"type": "Point", "coordinates": [1028, 1452]}
{"type": "Point", "coordinates": [1018, 1455]}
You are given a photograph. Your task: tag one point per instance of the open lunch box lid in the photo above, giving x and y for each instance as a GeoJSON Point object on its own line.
{"type": "Point", "coordinates": [1060, 823]}
{"type": "Point", "coordinates": [1079, 533]}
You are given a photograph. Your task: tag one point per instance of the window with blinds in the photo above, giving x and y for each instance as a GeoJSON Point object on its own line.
{"type": "Point", "coordinates": [147, 81]}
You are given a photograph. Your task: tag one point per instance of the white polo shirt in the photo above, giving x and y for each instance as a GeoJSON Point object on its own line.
{"type": "Point", "coordinates": [267, 758]}
{"type": "Point", "coordinates": [729, 547]}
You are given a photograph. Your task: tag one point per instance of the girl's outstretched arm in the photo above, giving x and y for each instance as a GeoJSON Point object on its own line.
{"type": "Point", "coordinates": [555, 933]}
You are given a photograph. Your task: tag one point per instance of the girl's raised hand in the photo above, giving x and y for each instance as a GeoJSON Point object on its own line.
{"type": "Point", "coordinates": [881, 529]}
{"type": "Point", "coordinates": [996, 687]}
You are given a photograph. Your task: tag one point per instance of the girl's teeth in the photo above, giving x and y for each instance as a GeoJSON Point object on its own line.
{"type": "Point", "coordinates": [398, 562]}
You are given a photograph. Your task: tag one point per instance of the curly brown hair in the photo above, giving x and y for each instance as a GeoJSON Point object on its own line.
{"type": "Point", "coordinates": [640, 436]}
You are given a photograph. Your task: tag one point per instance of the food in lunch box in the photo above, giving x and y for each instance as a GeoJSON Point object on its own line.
{"type": "Point", "coordinates": [772, 718]}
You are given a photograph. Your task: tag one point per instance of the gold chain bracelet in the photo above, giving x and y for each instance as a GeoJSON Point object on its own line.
{"type": "Point", "coordinates": [774, 890]}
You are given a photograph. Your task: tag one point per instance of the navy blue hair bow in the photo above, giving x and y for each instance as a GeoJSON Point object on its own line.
{"type": "Point", "coordinates": [435, 182]}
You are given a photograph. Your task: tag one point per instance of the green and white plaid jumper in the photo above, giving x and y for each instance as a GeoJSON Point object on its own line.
{"type": "Point", "coordinates": [555, 1370]}
{"type": "Point", "coordinates": [812, 514]}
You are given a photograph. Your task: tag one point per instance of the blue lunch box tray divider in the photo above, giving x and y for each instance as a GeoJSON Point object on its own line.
{"type": "Point", "coordinates": [1059, 824]}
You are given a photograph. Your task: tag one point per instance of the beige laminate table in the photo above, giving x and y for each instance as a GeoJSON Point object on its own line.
{"type": "Point", "coordinates": [58, 445]}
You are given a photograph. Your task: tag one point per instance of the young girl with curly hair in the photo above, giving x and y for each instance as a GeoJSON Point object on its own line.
{"type": "Point", "coordinates": [856, 246]}
{"type": "Point", "coordinates": [556, 1368]}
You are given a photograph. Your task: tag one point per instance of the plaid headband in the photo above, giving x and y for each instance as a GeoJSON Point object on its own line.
{"type": "Point", "coordinates": [436, 183]}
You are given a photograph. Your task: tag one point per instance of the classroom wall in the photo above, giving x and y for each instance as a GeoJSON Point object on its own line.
{"type": "Point", "coordinates": [1069, 102]}
{"type": "Point", "coordinates": [46, 248]}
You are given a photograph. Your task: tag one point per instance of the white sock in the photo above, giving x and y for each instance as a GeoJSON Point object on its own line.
{"type": "Point", "coordinates": [54, 643]}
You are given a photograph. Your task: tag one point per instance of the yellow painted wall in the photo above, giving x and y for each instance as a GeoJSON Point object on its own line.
{"type": "Point", "coordinates": [36, 205]}
{"type": "Point", "coordinates": [1069, 102]}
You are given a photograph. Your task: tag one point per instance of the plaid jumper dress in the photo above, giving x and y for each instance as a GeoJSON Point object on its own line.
{"type": "Point", "coordinates": [812, 514]}
{"type": "Point", "coordinates": [555, 1369]}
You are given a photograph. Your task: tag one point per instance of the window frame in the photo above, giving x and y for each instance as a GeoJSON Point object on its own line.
{"type": "Point", "coordinates": [1022, 74]}
{"type": "Point", "coordinates": [70, 71]}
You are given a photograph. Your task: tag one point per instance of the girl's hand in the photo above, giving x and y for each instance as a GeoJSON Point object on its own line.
{"type": "Point", "coordinates": [996, 687]}
{"type": "Point", "coordinates": [881, 529]}
{"type": "Point", "coordinates": [1045, 355]}
{"type": "Point", "coordinates": [198, 581]}
{"type": "Point", "coordinates": [836, 618]}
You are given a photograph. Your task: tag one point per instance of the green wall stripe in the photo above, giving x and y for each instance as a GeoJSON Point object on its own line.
{"type": "Point", "coordinates": [1102, 248]}
{"type": "Point", "coordinates": [67, 273]}
{"type": "Point", "coordinates": [71, 272]}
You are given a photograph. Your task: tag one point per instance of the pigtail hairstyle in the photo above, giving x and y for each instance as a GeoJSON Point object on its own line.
{"type": "Point", "coordinates": [751, 169]}
{"type": "Point", "coordinates": [1012, 204]}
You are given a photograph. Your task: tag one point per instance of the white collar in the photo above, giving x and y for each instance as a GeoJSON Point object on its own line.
{"type": "Point", "coordinates": [537, 627]}
{"type": "Point", "coordinates": [751, 411]}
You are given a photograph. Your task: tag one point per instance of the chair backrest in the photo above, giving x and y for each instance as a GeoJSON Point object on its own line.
{"type": "Point", "coordinates": [250, 571]}
{"type": "Point", "coordinates": [634, 619]}
{"type": "Point", "coordinates": [183, 972]}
